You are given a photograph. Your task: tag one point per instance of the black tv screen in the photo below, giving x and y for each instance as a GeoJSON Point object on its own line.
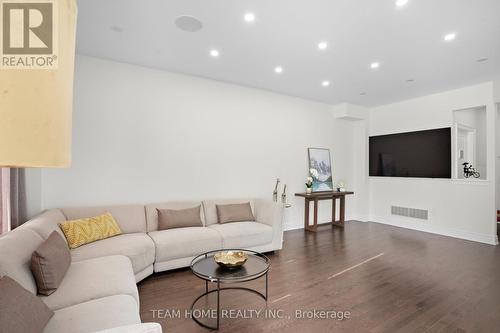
{"type": "Point", "coordinates": [425, 154]}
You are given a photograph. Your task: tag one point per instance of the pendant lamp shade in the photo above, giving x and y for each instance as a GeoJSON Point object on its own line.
{"type": "Point", "coordinates": [35, 98]}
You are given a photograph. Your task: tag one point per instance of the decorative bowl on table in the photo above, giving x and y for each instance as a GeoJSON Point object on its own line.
{"type": "Point", "coordinates": [230, 259]}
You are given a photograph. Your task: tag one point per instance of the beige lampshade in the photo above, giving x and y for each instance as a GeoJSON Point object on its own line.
{"type": "Point", "coordinates": [36, 104]}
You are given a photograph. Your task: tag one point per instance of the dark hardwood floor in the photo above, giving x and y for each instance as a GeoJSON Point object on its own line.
{"type": "Point", "coordinates": [402, 281]}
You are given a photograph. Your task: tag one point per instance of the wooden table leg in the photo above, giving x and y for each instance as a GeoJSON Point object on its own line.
{"type": "Point", "coordinates": [334, 211]}
{"type": "Point", "coordinates": [315, 214]}
{"type": "Point", "coordinates": [342, 210]}
{"type": "Point", "coordinates": [306, 214]}
{"type": "Point", "coordinates": [340, 222]}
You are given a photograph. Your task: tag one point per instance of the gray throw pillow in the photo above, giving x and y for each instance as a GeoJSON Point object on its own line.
{"type": "Point", "coordinates": [235, 213]}
{"type": "Point", "coordinates": [20, 310]}
{"type": "Point", "coordinates": [49, 263]}
{"type": "Point", "coordinates": [181, 218]}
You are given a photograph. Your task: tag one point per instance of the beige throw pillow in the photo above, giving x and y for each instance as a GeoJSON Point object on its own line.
{"type": "Point", "coordinates": [234, 213]}
{"type": "Point", "coordinates": [20, 310]}
{"type": "Point", "coordinates": [181, 218]}
{"type": "Point", "coordinates": [49, 263]}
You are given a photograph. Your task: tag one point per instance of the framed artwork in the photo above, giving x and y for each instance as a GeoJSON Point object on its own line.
{"type": "Point", "coordinates": [320, 169]}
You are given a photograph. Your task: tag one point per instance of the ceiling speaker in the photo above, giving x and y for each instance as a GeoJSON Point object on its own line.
{"type": "Point", "coordinates": [188, 23]}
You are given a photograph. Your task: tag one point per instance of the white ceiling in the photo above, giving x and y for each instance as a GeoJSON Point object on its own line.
{"type": "Point", "coordinates": [408, 43]}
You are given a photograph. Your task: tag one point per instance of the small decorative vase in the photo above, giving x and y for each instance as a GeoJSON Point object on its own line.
{"type": "Point", "coordinates": [309, 190]}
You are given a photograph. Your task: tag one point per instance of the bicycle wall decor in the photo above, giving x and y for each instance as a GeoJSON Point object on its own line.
{"type": "Point", "coordinates": [469, 171]}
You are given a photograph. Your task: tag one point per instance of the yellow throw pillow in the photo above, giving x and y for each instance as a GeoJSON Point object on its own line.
{"type": "Point", "coordinates": [89, 229]}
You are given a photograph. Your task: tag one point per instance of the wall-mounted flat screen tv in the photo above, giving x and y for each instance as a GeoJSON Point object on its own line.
{"type": "Point", "coordinates": [424, 154]}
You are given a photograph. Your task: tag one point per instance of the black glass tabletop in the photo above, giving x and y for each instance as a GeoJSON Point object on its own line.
{"type": "Point", "coordinates": [205, 267]}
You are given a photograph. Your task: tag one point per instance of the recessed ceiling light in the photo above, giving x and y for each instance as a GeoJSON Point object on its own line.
{"type": "Point", "coordinates": [401, 3]}
{"type": "Point", "coordinates": [214, 53]}
{"type": "Point", "coordinates": [325, 83]}
{"type": "Point", "coordinates": [374, 65]}
{"type": "Point", "coordinates": [482, 60]}
{"type": "Point", "coordinates": [450, 36]}
{"type": "Point", "coordinates": [410, 80]}
{"type": "Point", "coordinates": [322, 45]}
{"type": "Point", "coordinates": [278, 69]}
{"type": "Point", "coordinates": [249, 17]}
{"type": "Point", "coordinates": [362, 93]}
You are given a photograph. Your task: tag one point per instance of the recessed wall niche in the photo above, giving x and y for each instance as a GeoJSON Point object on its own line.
{"type": "Point", "coordinates": [469, 143]}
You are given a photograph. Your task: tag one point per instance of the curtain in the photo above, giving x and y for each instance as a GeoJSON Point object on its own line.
{"type": "Point", "coordinates": [4, 200]}
{"type": "Point", "coordinates": [12, 198]}
{"type": "Point", "coordinates": [17, 197]}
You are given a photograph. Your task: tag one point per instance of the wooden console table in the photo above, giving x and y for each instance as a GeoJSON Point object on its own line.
{"type": "Point", "coordinates": [318, 196]}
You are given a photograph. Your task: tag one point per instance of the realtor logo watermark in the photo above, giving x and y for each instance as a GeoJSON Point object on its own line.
{"type": "Point", "coordinates": [298, 314]}
{"type": "Point", "coordinates": [28, 34]}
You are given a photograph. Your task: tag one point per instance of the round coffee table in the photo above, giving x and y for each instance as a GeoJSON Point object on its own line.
{"type": "Point", "coordinates": [205, 267]}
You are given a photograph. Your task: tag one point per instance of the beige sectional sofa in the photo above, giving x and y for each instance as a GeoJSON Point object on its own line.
{"type": "Point", "coordinates": [264, 235]}
{"type": "Point", "coordinates": [99, 290]}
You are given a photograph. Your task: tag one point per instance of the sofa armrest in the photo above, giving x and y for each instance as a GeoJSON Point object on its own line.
{"type": "Point", "coordinates": [45, 223]}
{"type": "Point", "coordinates": [271, 213]}
{"type": "Point", "coordinates": [136, 328]}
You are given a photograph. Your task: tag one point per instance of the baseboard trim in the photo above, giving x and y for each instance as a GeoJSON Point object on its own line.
{"type": "Point", "coordinates": [359, 218]}
{"type": "Point", "coordinates": [288, 227]}
{"type": "Point", "coordinates": [301, 226]}
{"type": "Point", "coordinates": [450, 232]}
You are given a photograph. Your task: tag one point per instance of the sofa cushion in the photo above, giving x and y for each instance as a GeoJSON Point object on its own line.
{"type": "Point", "coordinates": [179, 218]}
{"type": "Point", "coordinates": [184, 242]}
{"type": "Point", "coordinates": [152, 211]}
{"type": "Point", "coordinates": [89, 229]}
{"type": "Point", "coordinates": [20, 310]}
{"type": "Point", "coordinates": [243, 234]}
{"type": "Point", "coordinates": [95, 315]}
{"type": "Point", "coordinates": [210, 208]}
{"type": "Point", "coordinates": [130, 218]}
{"type": "Point", "coordinates": [135, 328]}
{"type": "Point", "coordinates": [92, 279]}
{"type": "Point", "coordinates": [49, 263]}
{"type": "Point", "coordinates": [16, 248]}
{"type": "Point", "coordinates": [139, 248]}
{"type": "Point", "coordinates": [234, 213]}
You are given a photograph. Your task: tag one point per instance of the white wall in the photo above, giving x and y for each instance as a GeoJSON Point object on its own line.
{"type": "Point", "coordinates": [361, 186]}
{"type": "Point", "coordinates": [358, 116]}
{"type": "Point", "coordinates": [458, 208]}
{"type": "Point", "coordinates": [498, 157]}
{"type": "Point", "coordinates": [33, 191]}
{"type": "Point", "coordinates": [142, 135]}
{"type": "Point", "coordinates": [496, 91]}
